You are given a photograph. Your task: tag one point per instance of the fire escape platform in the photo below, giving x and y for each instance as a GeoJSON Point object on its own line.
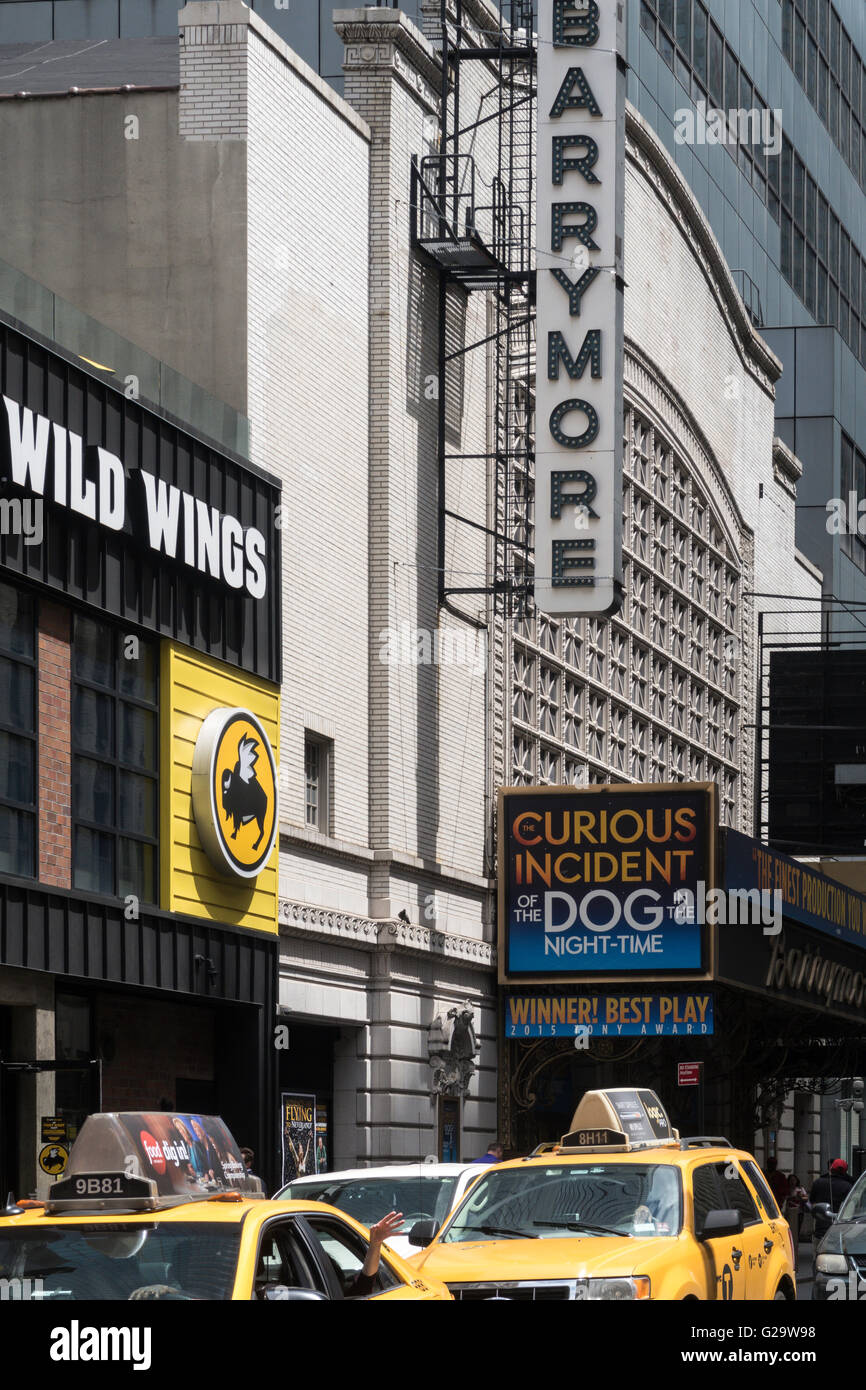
{"type": "Point", "coordinates": [465, 257]}
{"type": "Point", "coordinates": [470, 262]}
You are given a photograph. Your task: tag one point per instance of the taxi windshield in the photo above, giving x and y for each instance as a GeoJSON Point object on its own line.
{"type": "Point", "coordinates": [418, 1197]}
{"type": "Point", "coordinates": [603, 1199]}
{"type": "Point", "coordinates": [121, 1261]}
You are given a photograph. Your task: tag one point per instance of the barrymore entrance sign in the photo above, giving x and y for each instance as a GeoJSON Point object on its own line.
{"type": "Point", "coordinates": [581, 162]}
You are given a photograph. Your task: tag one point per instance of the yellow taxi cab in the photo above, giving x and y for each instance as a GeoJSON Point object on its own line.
{"type": "Point", "coordinates": [621, 1208]}
{"type": "Point", "coordinates": [159, 1206]}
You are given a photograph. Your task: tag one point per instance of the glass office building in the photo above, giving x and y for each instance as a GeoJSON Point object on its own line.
{"type": "Point", "coordinates": [784, 193]}
{"type": "Point", "coordinates": [305, 25]}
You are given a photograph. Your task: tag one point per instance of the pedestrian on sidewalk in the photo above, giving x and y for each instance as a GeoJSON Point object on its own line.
{"type": "Point", "coordinates": [493, 1155]}
{"type": "Point", "coordinates": [776, 1181]}
{"type": "Point", "coordinates": [793, 1208]}
{"type": "Point", "coordinates": [831, 1188]}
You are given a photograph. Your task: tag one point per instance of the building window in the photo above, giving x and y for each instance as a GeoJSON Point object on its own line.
{"type": "Point", "coordinates": [818, 258]}
{"type": "Point", "coordinates": [648, 20]}
{"type": "Point", "coordinates": [618, 737]}
{"type": "Point", "coordinates": [853, 481]}
{"type": "Point", "coordinates": [17, 733]}
{"type": "Point", "coordinates": [548, 632]}
{"type": "Point", "coordinates": [639, 735]}
{"type": "Point", "coordinates": [832, 79]}
{"type": "Point", "coordinates": [523, 762]}
{"type": "Point", "coordinates": [312, 783]}
{"type": "Point", "coordinates": [573, 714]}
{"type": "Point", "coordinates": [548, 703]}
{"type": "Point", "coordinates": [317, 783]}
{"type": "Point", "coordinates": [524, 686]}
{"type": "Point", "coordinates": [548, 766]}
{"type": "Point", "coordinates": [618, 661]}
{"type": "Point", "coordinates": [658, 759]}
{"type": "Point", "coordinates": [115, 762]}
{"type": "Point", "coordinates": [695, 49]}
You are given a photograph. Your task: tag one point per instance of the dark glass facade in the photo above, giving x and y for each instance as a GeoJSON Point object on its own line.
{"type": "Point", "coordinates": [792, 224]}
{"type": "Point", "coordinates": [17, 732]}
{"type": "Point", "coordinates": [115, 763]}
{"type": "Point", "coordinates": [305, 25]}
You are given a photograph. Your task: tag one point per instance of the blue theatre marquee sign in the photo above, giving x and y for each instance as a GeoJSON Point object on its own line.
{"type": "Point", "coordinates": [592, 881]}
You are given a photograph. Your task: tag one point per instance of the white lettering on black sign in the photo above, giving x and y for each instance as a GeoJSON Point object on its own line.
{"type": "Point", "coordinates": [51, 461]}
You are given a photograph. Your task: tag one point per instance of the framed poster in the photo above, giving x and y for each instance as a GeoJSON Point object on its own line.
{"type": "Point", "coordinates": [322, 1160]}
{"type": "Point", "coordinates": [449, 1129]}
{"type": "Point", "coordinates": [298, 1127]}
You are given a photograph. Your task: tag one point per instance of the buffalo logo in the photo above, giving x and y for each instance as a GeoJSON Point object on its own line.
{"type": "Point", "coordinates": [244, 797]}
{"type": "Point", "coordinates": [235, 792]}
{"type": "Point", "coordinates": [52, 1159]}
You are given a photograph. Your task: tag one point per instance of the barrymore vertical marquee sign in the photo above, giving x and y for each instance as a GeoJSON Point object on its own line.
{"type": "Point", "coordinates": [581, 175]}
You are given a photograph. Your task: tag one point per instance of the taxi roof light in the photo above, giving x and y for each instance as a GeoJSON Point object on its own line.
{"type": "Point", "coordinates": [133, 1161]}
{"type": "Point", "coordinates": [619, 1120]}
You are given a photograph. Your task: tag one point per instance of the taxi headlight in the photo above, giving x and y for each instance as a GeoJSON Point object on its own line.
{"type": "Point", "coordinates": [831, 1264]}
{"type": "Point", "coordinates": [614, 1289]}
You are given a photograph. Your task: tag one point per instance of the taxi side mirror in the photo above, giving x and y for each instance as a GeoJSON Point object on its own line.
{"type": "Point", "coordinates": [281, 1293]}
{"type": "Point", "coordinates": [722, 1222]}
{"type": "Point", "coordinates": [423, 1232]}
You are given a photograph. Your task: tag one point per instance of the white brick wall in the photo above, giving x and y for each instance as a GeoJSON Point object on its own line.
{"type": "Point", "coordinates": [673, 310]}
{"type": "Point", "coordinates": [307, 291]}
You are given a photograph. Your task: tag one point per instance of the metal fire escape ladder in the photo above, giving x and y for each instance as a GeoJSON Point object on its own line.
{"type": "Point", "coordinates": [481, 242]}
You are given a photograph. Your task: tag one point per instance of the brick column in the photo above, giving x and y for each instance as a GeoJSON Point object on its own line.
{"type": "Point", "coordinates": [54, 733]}
{"type": "Point", "coordinates": [213, 70]}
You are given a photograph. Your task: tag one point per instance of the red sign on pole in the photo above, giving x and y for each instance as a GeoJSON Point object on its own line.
{"type": "Point", "coordinates": [689, 1073]}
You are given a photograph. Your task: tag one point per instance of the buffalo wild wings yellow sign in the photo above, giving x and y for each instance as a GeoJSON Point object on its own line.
{"type": "Point", "coordinates": [219, 756]}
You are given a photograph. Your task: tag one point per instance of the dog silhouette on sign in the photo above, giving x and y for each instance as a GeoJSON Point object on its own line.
{"type": "Point", "coordinates": [244, 797]}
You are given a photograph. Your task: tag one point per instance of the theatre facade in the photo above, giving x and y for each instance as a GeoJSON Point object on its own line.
{"type": "Point", "coordinates": [643, 944]}
{"type": "Point", "coordinates": [139, 738]}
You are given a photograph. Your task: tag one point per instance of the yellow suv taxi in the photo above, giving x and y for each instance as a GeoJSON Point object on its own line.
{"type": "Point", "coordinates": [159, 1206]}
{"type": "Point", "coordinates": [622, 1208]}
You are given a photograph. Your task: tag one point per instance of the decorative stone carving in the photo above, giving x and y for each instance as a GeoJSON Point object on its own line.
{"type": "Point", "coordinates": [451, 1048]}
{"type": "Point", "coordinates": [307, 919]}
{"type": "Point", "coordinates": [787, 468]}
{"type": "Point", "coordinates": [379, 43]}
